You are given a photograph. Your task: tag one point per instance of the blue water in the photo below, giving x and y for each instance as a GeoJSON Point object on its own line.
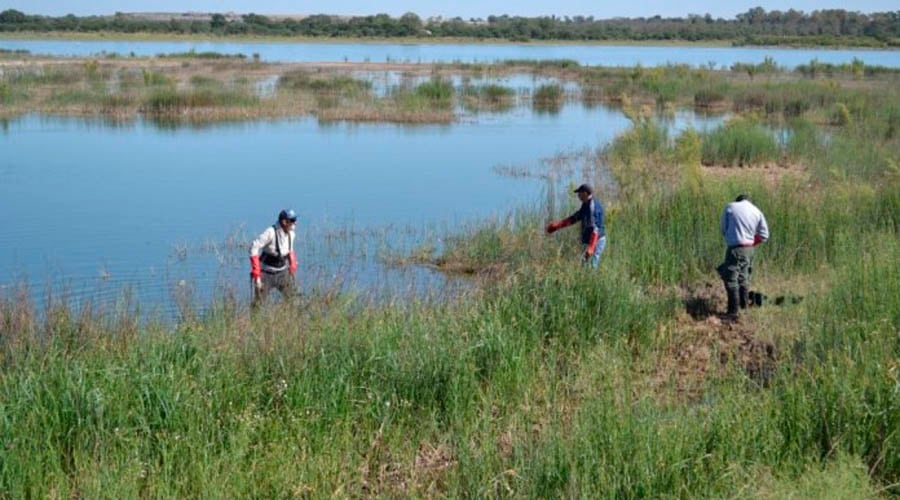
{"type": "Point", "coordinates": [594, 55]}
{"type": "Point", "coordinates": [91, 207]}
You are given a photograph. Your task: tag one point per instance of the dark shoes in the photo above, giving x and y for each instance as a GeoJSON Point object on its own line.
{"type": "Point", "coordinates": [734, 301]}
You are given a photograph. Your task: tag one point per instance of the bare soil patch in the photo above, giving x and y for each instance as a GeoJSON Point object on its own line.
{"type": "Point", "coordinates": [705, 345]}
{"type": "Point", "coordinates": [771, 173]}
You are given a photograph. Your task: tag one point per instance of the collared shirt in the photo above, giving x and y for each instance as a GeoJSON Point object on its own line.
{"type": "Point", "coordinates": [741, 223]}
{"type": "Point", "coordinates": [590, 214]}
{"type": "Point", "coordinates": [276, 243]}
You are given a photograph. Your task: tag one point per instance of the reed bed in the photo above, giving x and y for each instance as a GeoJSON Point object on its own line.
{"type": "Point", "coordinates": [544, 381]}
{"type": "Point", "coordinates": [32, 84]}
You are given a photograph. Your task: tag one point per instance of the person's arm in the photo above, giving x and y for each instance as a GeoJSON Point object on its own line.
{"type": "Point", "coordinates": [292, 256]}
{"type": "Point", "coordinates": [255, 248]}
{"type": "Point", "coordinates": [559, 224]}
{"type": "Point", "coordinates": [762, 230]}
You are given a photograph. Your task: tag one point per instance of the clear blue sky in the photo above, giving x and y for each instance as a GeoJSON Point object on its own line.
{"type": "Point", "coordinates": [600, 9]}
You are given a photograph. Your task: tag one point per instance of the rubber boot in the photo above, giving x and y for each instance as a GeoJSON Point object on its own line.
{"type": "Point", "coordinates": [733, 303]}
{"type": "Point", "coordinates": [744, 296]}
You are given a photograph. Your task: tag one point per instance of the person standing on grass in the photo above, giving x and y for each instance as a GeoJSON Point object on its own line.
{"type": "Point", "coordinates": [743, 227]}
{"type": "Point", "coordinates": [273, 262]}
{"type": "Point", "coordinates": [593, 227]}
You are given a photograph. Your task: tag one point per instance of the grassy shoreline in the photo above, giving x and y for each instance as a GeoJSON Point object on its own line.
{"type": "Point", "coordinates": [546, 381]}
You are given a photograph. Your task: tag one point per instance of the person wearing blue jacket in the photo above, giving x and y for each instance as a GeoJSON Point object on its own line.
{"type": "Point", "coordinates": [593, 227]}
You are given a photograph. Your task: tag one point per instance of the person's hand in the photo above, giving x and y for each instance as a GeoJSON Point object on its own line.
{"type": "Point", "coordinates": [588, 253]}
{"type": "Point", "coordinates": [757, 239]}
{"type": "Point", "coordinates": [552, 227]}
{"type": "Point", "coordinates": [257, 283]}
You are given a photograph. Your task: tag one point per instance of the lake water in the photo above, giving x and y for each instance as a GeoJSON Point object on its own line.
{"type": "Point", "coordinates": [594, 55]}
{"type": "Point", "coordinates": [93, 207]}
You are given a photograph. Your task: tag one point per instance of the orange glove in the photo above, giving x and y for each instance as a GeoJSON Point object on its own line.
{"type": "Point", "coordinates": [592, 246]}
{"type": "Point", "coordinates": [293, 260]}
{"type": "Point", "coordinates": [255, 271]}
{"type": "Point", "coordinates": [557, 225]}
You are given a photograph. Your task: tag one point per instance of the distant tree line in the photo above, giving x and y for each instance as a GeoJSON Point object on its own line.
{"type": "Point", "coordinates": [756, 26]}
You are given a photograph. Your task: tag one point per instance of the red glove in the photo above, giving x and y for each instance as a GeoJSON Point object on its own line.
{"type": "Point", "coordinates": [557, 225]}
{"type": "Point", "coordinates": [757, 240]}
{"type": "Point", "coordinates": [255, 271]}
{"type": "Point", "coordinates": [592, 246]}
{"type": "Point", "coordinates": [293, 259]}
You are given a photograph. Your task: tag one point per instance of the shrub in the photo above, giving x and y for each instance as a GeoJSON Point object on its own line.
{"type": "Point", "coordinates": [840, 115]}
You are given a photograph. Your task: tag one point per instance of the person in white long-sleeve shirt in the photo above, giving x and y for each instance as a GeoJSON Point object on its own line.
{"type": "Point", "coordinates": [273, 262]}
{"type": "Point", "coordinates": [743, 227]}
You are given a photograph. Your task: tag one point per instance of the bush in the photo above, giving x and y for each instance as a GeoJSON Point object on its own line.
{"type": "Point", "coordinates": [840, 115]}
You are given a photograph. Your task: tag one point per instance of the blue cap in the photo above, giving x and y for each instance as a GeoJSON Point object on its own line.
{"type": "Point", "coordinates": [288, 214]}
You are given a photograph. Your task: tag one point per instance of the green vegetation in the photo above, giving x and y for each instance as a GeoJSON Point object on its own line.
{"type": "Point", "coordinates": [490, 96]}
{"type": "Point", "coordinates": [832, 27]}
{"type": "Point", "coordinates": [545, 381]}
{"type": "Point", "coordinates": [331, 84]}
{"type": "Point", "coordinates": [437, 91]}
{"type": "Point", "coordinates": [238, 89]}
{"type": "Point", "coordinates": [548, 97]}
{"type": "Point", "coordinates": [740, 142]}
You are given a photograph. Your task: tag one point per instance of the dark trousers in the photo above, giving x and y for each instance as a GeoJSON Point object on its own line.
{"type": "Point", "coordinates": [283, 281]}
{"type": "Point", "coordinates": [738, 266]}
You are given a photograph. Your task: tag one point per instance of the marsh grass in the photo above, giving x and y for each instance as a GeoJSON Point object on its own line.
{"type": "Point", "coordinates": [778, 96]}
{"type": "Point", "coordinates": [488, 96]}
{"type": "Point", "coordinates": [171, 101]}
{"type": "Point", "coordinates": [548, 97]}
{"type": "Point", "coordinates": [739, 143]}
{"type": "Point", "coordinates": [535, 384]}
{"type": "Point", "coordinates": [538, 383]}
{"type": "Point", "coordinates": [334, 85]}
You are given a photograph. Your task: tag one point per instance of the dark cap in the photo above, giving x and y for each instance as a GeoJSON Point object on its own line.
{"type": "Point", "coordinates": [742, 197]}
{"type": "Point", "coordinates": [584, 188]}
{"type": "Point", "coordinates": [287, 214]}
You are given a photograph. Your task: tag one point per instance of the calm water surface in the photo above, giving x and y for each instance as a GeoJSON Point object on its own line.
{"type": "Point", "coordinates": [93, 207]}
{"type": "Point", "coordinates": [594, 55]}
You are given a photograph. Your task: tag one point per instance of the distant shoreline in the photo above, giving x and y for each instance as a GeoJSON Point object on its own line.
{"type": "Point", "coordinates": [141, 37]}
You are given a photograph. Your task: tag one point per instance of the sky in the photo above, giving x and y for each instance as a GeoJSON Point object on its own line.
{"type": "Point", "coordinates": [600, 9]}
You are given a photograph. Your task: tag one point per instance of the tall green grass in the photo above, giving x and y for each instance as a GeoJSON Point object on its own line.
{"type": "Point", "coordinates": [548, 97]}
{"type": "Point", "coordinates": [338, 85]}
{"type": "Point", "coordinates": [739, 143]}
{"type": "Point", "coordinates": [540, 383]}
{"type": "Point", "coordinates": [169, 100]}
